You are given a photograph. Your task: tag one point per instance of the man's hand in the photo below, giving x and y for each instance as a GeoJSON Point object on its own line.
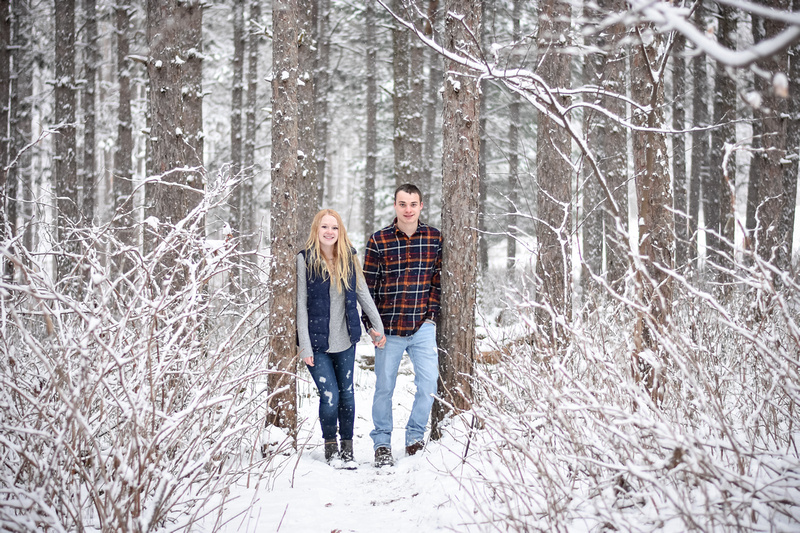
{"type": "Point", "coordinates": [377, 339]}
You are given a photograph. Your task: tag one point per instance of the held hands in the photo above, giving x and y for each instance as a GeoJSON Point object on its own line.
{"type": "Point", "coordinates": [309, 360]}
{"type": "Point", "coordinates": [377, 339]}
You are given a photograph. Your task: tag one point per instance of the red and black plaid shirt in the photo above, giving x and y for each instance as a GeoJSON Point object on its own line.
{"type": "Point", "coordinates": [404, 277]}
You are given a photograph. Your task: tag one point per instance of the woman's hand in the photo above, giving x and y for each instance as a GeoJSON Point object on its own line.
{"type": "Point", "coordinates": [377, 339]}
{"type": "Point", "coordinates": [309, 360]}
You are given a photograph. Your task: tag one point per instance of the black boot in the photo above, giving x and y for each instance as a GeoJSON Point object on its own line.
{"type": "Point", "coordinates": [331, 450]}
{"type": "Point", "coordinates": [347, 454]}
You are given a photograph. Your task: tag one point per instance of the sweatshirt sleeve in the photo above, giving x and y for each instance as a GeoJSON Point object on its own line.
{"type": "Point", "coordinates": [303, 338]}
{"type": "Point", "coordinates": [368, 305]}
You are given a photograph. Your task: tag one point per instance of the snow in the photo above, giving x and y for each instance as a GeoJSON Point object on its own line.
{"type": "Point", "coordinates": [307, 495]}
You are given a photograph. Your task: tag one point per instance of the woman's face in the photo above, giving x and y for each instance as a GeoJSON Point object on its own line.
{"type": "Point", "coordinates": [328, 231]}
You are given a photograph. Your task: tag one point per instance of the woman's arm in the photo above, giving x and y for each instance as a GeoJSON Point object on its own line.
{"type": "Point", "coordinates": [304, 350]}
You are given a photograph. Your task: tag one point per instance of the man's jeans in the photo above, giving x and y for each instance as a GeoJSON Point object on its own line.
{"type": "Point", "coordinates": [424, 355]}
{"type": "Point", "coordinates": [333, 374]}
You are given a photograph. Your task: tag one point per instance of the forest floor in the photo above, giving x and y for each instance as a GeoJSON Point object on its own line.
{"type": "Point", "coordinates": [302, 493]}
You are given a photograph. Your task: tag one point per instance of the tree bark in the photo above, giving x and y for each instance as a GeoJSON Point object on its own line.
{"type": "Point", "coordinates": [460, 188]}
{"type": "Point", "coordinates": [722, 183]}
{"type": "Point", "coordinates": [370, 171]}
{"type": "Point", "coordinates": [679, 152]}
{"type": "Point", "coordinates": [400, 99]}
{"type": "Point", "coordinates": [654, 197]}
{"type": "Point", "coordinates": [554, 179]}
{"type": "Point", "coordinates": [247, 225]}
{"type": "Point", "coordinates": [322, 89]}
{"type": "Point", "coordinates": [88, 173]}
{"type": "Point", "coordinates": [431, 98]}
{"type": "Point", "coordinates": [307, 189]}
{"type": "Point", "coordinates": [65, 171]}
{"type": "Point", "coordinates": [21, 118]}
{"type": "Point", "coordinates": [282, 406]}
{"type": "Point", "coordinates": [700, 142]}
{"type": "Point", "coordinates": [771, 197]}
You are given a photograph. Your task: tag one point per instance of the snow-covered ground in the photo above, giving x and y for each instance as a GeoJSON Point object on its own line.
{"type": "Point", "coordinates": [302, 493]}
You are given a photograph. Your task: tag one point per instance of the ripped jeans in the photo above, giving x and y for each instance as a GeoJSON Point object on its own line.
{"type": "Point", "coordinates": [333, 374]}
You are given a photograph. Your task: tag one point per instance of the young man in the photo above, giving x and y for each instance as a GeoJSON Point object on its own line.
{"type": "Point", "coordinates": [402, 267]}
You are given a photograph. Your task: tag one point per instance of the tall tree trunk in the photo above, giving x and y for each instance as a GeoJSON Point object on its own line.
{"type": "Point", "coordinates": [400, 99]}
{"type": "Point", "coordinates": [174, 36]}
{"type": "Point", "coordinates": [771, 197]}
{"type": "Point", "coordinates": [416, 103]}
{"type": "Point", "coordinates": [21, 118]}
{"type": "Point", "coordinates": [370, 171]}
{"type": "Point", "coordinates": [792, 147]}
{"type": "Point", "coordinates": [554, 171]}
{"type": "Point", "coordinates": [720, 220]}
{"type": "Point", "coordinates": [307, 187]}
{"type": "Point", "coordinates": [514, 109]}
{"type": "Point", "coordinates": [247, 225]}
{"type": "Point", "coordinates": [679, 152]}
{"type": "Point", "coordinates": [88, 174]}
{"type": "Point", "coordinates": [8, 200]}
{"type": "Point", "coordinates": [237, 108]}
{"type": "Point", "coordinates": [122, 181]}
{"type": "Point", "coordinates": [431, 98]}
{"type": "Point", "coordinates": [65, 175]}
{"type": "Point", "coordinates": [460, 188]}
{"type": "Point", "coordinates": [700, 141]}
{"type": "Point", "coordinates": [654, 198]}
{"type": "Point", "coordinates": [483, 241]}
{"type": "Point", "coordinates": [282, 406]}
{"type": "Point", "coordinates": [322, 88]}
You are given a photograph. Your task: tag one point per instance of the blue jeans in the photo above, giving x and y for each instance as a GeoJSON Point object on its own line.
{"type": "Point", "coordinates": [424, 355]}
{"type": "Point", "coordinates": [333, 374]}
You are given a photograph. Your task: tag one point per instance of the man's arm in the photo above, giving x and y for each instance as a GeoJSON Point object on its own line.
{"type": "Point", "coordinates": [372, 275]}
{"type": "Point", "coordinates": [434, 301]}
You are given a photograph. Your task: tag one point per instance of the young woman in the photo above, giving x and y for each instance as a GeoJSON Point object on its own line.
{"type": "Point", "coordinates": [329, 283]}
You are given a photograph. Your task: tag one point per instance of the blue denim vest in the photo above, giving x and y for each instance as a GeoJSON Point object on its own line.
{"type": "Point", "coordinates": [318, 302]}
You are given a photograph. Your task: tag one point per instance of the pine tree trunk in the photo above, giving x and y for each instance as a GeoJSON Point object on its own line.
{"type": "Point", "coordinates": [431, 98]}
{"type": "Point", "coordinates": [282, 406]}
{"type": "Point", "coordinates": [322, 88]}
{"type": "Point", "coordinates": [21, 118]}
{"type": "Point", "coordinates": [554, 179]}
{"type": "Point", "coordinates": [88, 174]}
{"type": "Point", "coordinates": [400, 99]}
{"type": "Point", "coordinates": [65, 172]}
{"type": "Point", "coordinates": [174, 35]}
{"type": "Point", "coordinates": [720, 234]}
{"type": "Point", "coordinates": [793, 148]}
{"type": "Point", "coordinates": [307, 186]}
{"type": "Point", "coordinates": [122, 185]}
{"type": "Point", "coordinates": [370, 171]}
{"type": "Point", "coordinates": [700, 143]}
{"type": "Point", "coordinates": [249, 239]}
{"type": "Point", "coordinates": [460, 188]}
{"type": "Point", "coordinates": [654, 197]}
{"type": "Point", "coordinates": [8, 197]}
{"type": "Point", "coordinates": [771, 197]}
{"type": "Point", "coordinates": [679, 152]}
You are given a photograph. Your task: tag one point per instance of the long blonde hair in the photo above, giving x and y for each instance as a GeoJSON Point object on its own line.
{"type": "Point", "coordinates": [344, 262]}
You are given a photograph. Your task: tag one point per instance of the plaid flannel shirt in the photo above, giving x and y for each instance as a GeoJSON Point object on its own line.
{"type": "Point", "coordinates": [404, 277]}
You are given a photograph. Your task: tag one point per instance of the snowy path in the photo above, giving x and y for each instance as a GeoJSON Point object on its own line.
{"type": "Point", "coordinates": [308, 495]}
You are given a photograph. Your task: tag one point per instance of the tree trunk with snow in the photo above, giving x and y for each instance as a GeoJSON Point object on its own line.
{"type": "Point", "coordinates": [370, 170]}
{"type": "Point", "coordinates": [401, 58]}
{"type": "Point", "coordinates": [770, 196]}
{"type": "Point", "coordinates": [247, 213]}
{"type": "Point", "coordinates": [700, 144]}
{"type": "Point", "coordinates": [65, 172]}
{"type": "Point", "coordinates": [8, 183]}
{"type": "Point", "coordinates": [88, 174]}
{"type": "Point", "coordinates": [21, 119]}
{"type": "Point", "coordinates": [282, 405]}
{"type": "Point", "coordinates": [122, 188]}
{"type": "Point", "coordinates": [307, 186]}
{"type": "Point", "coordinates": [322, 89]}
{"type": "Point", "coordinates": [679, 151]}
{"type": "Point", "coordinates": [722, 182]}
{"type": "Point", "coordinates": [460, 188]}
{"type": "Point", "coordinates": [654, 198]}
{"type": "Point", "coordinates": [554, 179]}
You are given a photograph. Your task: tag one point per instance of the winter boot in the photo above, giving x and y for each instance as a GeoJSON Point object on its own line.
{"type": "Point", "coordinates": [347, 455]}
{"type": "Point", "coordinates": [331, 450]}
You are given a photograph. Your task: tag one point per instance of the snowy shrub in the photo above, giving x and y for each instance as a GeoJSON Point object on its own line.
{"type": "Point", "coordinates": [132, 405]}
{"type": "Point", "coordinates": [573, 440]}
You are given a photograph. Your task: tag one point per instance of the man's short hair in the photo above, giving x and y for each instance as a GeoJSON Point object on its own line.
{"type": "Point", "coordinates": [408, 188]}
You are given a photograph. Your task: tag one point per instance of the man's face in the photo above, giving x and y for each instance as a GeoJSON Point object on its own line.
{"type": "Point", "coordinates": [408, 207]}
